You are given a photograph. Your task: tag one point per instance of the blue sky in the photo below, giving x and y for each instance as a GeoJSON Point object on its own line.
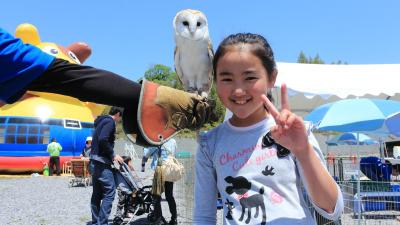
{"type": "Point", "coordinates": [128, 37]}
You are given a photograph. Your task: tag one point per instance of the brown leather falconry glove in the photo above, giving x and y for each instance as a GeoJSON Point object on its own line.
{"type": "Point", "coordinates": [162, 112]}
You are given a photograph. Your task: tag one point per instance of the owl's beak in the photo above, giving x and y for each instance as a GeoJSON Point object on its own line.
{"type": "Point", "coordinates": [192, 30]}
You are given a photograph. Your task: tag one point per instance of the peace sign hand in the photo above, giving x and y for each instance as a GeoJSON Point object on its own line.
{"type": "Point", "coordinates": [289, 131]}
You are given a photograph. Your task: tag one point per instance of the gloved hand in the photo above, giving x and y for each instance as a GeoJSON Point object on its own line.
{"type": "Point", "coordinates": [162, 112]}
{"type": "Point", "coordinates": [184, 110]}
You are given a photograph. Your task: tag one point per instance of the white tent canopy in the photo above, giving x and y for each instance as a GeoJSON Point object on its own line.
{"type": "Point", "coordinates": [340, 80]}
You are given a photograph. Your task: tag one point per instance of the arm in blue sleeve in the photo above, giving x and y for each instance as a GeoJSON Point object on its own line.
{"type": "Point", "coordinates": [205, 196]}
{"type": "Point", "coordinates": [149, 151]}
{"type": "Point", "coordinates": [20, 65]}
{"type": "Point", "coordinates": [339, 206]}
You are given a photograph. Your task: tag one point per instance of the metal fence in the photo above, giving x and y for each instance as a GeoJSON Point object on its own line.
{"type": "Point", "coordinates": [184, 191]}
{"type": "Point", "coordinates": [366, 201]}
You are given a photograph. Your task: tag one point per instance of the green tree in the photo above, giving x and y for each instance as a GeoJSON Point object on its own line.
{"type": "Point", "coordinates": [310, 59]}
{"type": "Point", "coordinates": [219, 107]}
{"type": "Point", "coordinates": [302, 58]}
{"type": "Point", "coordinates": [317, 60]}
{"type": "Point", "coordinates": [163, 75]}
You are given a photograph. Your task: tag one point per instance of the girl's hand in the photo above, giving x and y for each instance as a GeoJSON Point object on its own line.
{"type": "Point", "coordinates": [289, 131]}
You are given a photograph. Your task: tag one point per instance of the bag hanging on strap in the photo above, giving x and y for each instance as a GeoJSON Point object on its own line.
{"type": "Point", "coordinates": [172, 169]}
{"type": "Point", "coordinates": [158, 179]}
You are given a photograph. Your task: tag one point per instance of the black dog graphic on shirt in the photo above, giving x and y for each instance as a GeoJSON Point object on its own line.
{"type": "Point", "coordinates": [240, 186]}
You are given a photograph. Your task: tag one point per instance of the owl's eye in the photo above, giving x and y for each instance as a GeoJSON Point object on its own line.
{"type": "Point", "coordinates": [185, 23]}
{"type": "Point", "coordinates": [50, 50]}
{"type": "Point", "coordinates": [198, 24]}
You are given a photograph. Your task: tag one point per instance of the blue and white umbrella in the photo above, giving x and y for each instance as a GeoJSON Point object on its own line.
{"type": "Point", "coordinates": [393, 124]}
{"type": "Point", "coordinates": [350, 138]}
{"type": "Point", "coordinates": [354, 115]}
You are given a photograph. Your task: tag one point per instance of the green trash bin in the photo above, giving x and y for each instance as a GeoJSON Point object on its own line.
{"type": "Point", "coordinates": [45, 170]}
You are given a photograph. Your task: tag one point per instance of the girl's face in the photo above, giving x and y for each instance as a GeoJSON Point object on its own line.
{"type": "Point", "coordinates": [241, 80]}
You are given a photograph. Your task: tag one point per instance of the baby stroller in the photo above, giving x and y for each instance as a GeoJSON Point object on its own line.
{"type": "Point", "coordinates": [141, 200]}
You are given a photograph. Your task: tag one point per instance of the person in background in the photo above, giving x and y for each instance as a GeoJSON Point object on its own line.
{"type": "Point", "coordinates": [168, 148]}
{"type": "Point", "coordinates": [102, 158]}
{"type": "Point", "coordinates": [54, 149]}
{"type": "Point", "coordinates": [87, 150]}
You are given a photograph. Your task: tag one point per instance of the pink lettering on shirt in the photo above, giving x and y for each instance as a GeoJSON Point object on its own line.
{"type": "Point", "coordinates": [241, 158]}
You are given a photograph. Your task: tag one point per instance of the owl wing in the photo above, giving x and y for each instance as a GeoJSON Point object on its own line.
{"type": "Point", "coordinates": [178, 69]}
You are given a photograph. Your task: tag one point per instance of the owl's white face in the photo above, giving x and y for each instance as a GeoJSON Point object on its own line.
{"type": "Point", "coordinates": [191, 24]}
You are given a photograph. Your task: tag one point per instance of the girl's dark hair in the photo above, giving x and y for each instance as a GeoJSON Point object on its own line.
{"type": "Point", "coordinates": [258, 46]}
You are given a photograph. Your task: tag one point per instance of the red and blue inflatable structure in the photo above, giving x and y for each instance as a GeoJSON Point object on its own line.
{"type": "Point", "coordinates": [27, 126]}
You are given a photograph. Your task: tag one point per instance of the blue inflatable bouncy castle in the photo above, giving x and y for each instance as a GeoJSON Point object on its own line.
{"type": "Point", "coordinates": [27, 126]}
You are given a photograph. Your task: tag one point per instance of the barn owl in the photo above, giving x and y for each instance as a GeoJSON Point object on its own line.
{"type": "Point", "coordinates": [193, 52]}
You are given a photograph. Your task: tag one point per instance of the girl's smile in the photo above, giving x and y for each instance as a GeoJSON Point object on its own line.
{"type": "Point", "coordinates": [241, 80]}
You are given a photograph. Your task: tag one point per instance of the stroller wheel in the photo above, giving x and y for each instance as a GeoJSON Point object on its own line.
{"type": "Point", "coordinates": [152, 218]}
{"type": "Point", "coordinates": [156, 220]}
{"type": "Point", "coordinates": [70, 183]}
{"type": "Point", "coordinates": [86, 183]}
{"type": "Point", "coordinates": [117, 221]}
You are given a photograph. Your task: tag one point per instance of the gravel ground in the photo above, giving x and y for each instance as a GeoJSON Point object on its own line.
{"type": "Point", "coordinates": [43, 200]}
{"type": "Point", "coordinates": [40, 200]}
{"type": "Point", "coordinates": [48, 200]}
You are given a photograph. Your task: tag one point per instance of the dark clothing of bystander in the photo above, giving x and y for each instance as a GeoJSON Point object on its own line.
{"type": "Point", "coordinates": [103, 175]}
{"type": "Point", "coordinates": [103, 140]}
{"type": "Point", "coordinates": [54, 161]}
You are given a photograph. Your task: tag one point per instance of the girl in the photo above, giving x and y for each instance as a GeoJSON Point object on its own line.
{"type": "Point", "coordinates": [259, 158]}
{"type": "Point", "coordinates": [168, 148]}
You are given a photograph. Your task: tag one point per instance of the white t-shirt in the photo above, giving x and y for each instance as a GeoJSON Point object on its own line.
{"type": "Point", "coordinates": [256, 186]}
